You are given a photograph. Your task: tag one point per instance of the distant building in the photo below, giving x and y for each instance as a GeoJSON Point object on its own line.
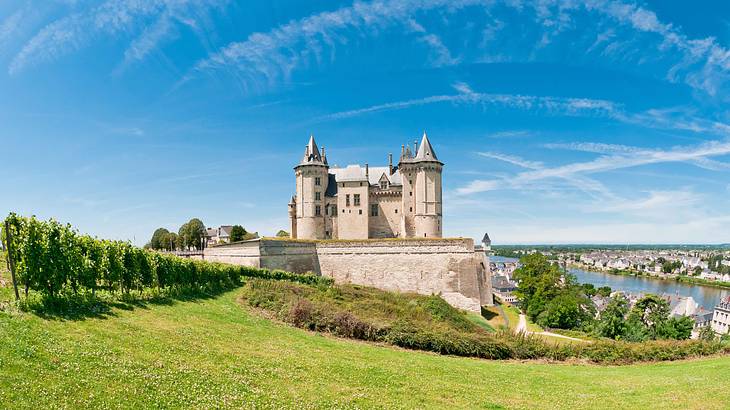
{"type": "Point", "coordinates": [504, 288]}
{"type": "Point", "coordinates": [721, 317]}
{"type": "Point", "coordinates": [216, 236]}
{"type": "Point", "coordinates": [702, 319]}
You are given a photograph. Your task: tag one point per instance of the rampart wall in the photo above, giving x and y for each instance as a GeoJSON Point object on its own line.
{"type": "Point", "coordinates": [451, 268]}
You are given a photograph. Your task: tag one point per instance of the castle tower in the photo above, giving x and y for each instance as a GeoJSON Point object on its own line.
{"type": "Point", "coordinates": [422, 201]}
{"type": "Point", "coordinates": [311, 178]}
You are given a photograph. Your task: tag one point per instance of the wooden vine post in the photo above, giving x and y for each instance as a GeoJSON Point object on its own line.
{"type": "Point", "coordinates": [11, 263]}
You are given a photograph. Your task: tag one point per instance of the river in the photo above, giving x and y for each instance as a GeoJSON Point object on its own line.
{"type": "Point", "coordinates": [705, 296]}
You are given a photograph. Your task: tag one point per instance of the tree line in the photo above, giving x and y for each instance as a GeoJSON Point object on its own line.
{"type": "Point", "coordinates": [192, 236]}
{"type": "Point", "coordinates": [52, 258]}
{"type": "Point", "coordinates": [553, 298]}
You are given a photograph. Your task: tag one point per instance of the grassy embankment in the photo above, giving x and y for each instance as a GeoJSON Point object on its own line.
{"type": "Point", "coordinates": [213, 352]}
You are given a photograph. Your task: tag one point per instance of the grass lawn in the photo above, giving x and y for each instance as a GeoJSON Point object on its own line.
{"type": "Point", "coordinates": [214, 353]}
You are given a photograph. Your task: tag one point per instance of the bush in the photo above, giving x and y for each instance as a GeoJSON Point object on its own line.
{"type": "Point", "coordinates": [429, 323]}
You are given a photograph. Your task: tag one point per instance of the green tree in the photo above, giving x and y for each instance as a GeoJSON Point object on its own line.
{"type": "Point", "coordinates": [538, 283]}
{"type": "Point", "coordinates": [566, 311]}
{"type": "Point", "coordinates": [677, 328]}
{"type": "Point", "coordinates": [282, 234]}
{"type": "Point", "coordinates": [190, 234]}
{"type": "Point", "coordinates": [604, 291]}
{"type": "Point", "coordinates": [652, 312]}
{"type": "Point", "coordinates": [612, 323]}
{"type": "Point", "coordinates": [237, 233]}
{"type": "Point", "coordinates": [158, 239]}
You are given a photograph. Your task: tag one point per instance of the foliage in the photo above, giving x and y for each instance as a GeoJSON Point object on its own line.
{"type": "Point", "coordinates": [648, 320]}
{"type": "Point", "coordinates": [551, 297]}
{"type": "Point", "coordinates": [706, 333]}
{"type": "Point", "coordinates": [282, 234]}
{"type": "Point", "coordinates": [237, 233]}
{"type": "Point", "coordinates": [191, 234]}
{"type": "Point", "coordinates": [613, 319]}
{"type": "Point", "coordinates": [51, 258]}
{"type": "Point", "coordinates": [429, 323]}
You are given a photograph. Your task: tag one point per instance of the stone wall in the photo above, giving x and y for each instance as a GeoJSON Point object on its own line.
{"type": "Point", "coordinates": [451, 268]}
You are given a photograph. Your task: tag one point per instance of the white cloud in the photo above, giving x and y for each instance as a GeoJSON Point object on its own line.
{"type": "Point", "coordinates": [551, 105]}
{"type": "Point", "coordinates": [615, 161]}
{"type": "Point", "coordinates": [512, 160]}
{"type": "Point", "coordinates": [703, 64]}
{"type": "Point", "coordinates": [111, 18]}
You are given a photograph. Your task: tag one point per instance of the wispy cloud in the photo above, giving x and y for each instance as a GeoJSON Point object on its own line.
{"type": "Point", "coordinates": [510, 134]}
{"type": "Point", "coordinates": [269, 56]}
{"type": "Point", "coordinates": [618, 160]}
{"type": "Point", "coordinates": [112, 18]}
{"type": "Point", "coordinates": [548, 104]}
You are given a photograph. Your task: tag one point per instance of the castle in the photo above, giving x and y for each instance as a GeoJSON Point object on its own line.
{"type": "Point", "coordinates": [362, 206]}
{"type": "Point", "coordinates": [401, 201]}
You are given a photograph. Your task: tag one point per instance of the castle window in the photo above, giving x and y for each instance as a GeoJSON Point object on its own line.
{"type": "Point", "coordinates": [411, 209]}
{"type": "Point", "coordinates": [356, 199]}
{"type": "Point", "coordinates": [317, 196]}
{"type": "Point", "coordinates": [396, 211]}
{"type": "Point", "coordinates": [317, 181]}
{"type": "Point", "coordinates": [347, 200]}
{"type": "Point", "coordinates": [317, 210]}
{"type": "Point", "coordinates": [360, 211]}
{"type": "Point", "coordinates": [333, 210]}
{"type": "Point", "coordinates": [374, 210]}
{"type": "Point", "coordinates": [410, 182]}
{"type": "Point", "coordinates": [410, 194]}
{"type": "Point", "coordinates": [384, 185]}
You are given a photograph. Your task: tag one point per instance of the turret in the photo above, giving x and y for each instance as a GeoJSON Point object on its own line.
{"type": "Point", "coordinates": [422, 200]}
{"type": "Point", "coordinates": [312, 179]}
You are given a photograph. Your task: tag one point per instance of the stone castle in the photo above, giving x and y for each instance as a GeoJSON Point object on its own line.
{"type": "Point", "coordinates": [362, 207]}
{"type": "Point", "coordinates": [354, 202]}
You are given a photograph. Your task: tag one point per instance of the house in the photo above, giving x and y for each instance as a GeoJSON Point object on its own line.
{"type": "Point", "coordinates": [721, 317]}
{"type": "Point", "coordinates": [215, 236]}
{"type": "Point", "coordinates": [504, 288]}
{"type": "Point", "coordinates": [702, 319]}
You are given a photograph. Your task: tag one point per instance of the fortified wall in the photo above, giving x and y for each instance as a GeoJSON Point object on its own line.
{"type": "Point", "coordinates": [452, 268]}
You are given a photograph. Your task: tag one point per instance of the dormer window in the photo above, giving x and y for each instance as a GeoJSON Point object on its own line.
{"type": "Point", "coordinates": [383, 184]}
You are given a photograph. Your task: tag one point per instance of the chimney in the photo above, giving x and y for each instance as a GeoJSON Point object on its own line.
{"type": "Point", "coordinates": [322, 151]}
{"type": "Point", "coordinates": [367, 172]}
{"type": "Point", "coordinates": [415, 148]}
{"type": "Point", "coordinates": [390, 163]}
{"type": "Point", "coordinates": [402, 151]}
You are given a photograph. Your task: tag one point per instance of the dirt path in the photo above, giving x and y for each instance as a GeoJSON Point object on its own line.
{"type": "Point", "coordinates": [522, 327]}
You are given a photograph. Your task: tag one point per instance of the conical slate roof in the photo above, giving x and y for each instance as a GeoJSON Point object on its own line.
{"type": "Point", "coordinates": [312, 156]}
{"type": "Point", "coordinates": [425, 150]}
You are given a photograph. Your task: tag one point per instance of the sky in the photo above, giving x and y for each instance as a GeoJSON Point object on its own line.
{"type": "Point", "coordinates": [558, 121]}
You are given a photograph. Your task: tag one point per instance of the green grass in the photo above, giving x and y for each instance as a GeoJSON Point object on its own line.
{"type": "Point", "coordinates": [214, 352]}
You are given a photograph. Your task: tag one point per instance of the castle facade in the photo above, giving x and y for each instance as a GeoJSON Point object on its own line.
{"type": "Point", "coordinates": [355, 202]}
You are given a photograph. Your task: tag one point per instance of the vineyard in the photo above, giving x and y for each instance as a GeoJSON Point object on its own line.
{"type": "Point", "coordinates": [53, 259]}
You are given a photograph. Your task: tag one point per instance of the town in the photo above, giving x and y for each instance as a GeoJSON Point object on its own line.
{"type": "Point", "coordinates": [699, 267]}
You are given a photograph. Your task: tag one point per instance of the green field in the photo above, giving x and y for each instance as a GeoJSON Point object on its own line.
{"type": "Point", "coordinates": [215, 353]}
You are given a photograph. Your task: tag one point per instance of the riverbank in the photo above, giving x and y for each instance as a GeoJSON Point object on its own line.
{"type": "Point", "coordinates": [676, 278]}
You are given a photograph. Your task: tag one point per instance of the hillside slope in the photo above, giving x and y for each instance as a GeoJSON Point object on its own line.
{"type": "Point", "coordinates": [215, 353]}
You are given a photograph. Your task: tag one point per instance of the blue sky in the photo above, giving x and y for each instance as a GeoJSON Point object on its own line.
{"type": "Point", "coordinates": [559, 121]}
